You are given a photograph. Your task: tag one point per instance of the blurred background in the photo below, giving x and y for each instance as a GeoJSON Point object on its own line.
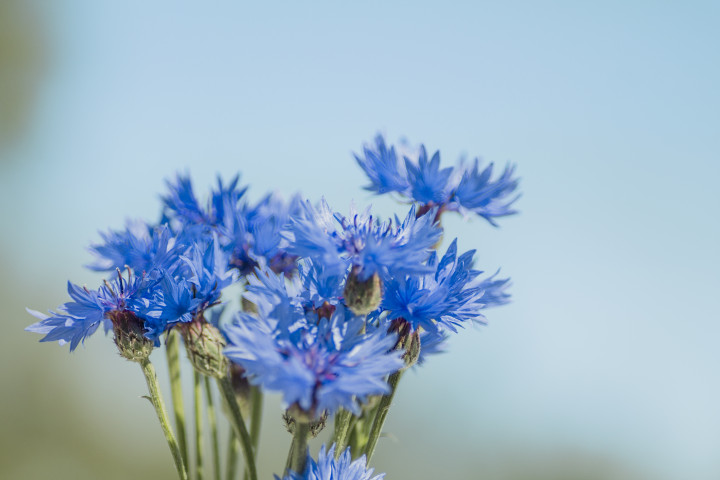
{"type": "Point", "coordinates": [605, 366]}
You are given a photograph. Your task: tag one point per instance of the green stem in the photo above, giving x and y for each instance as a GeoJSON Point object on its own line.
{"type": "Point", "coordinates": [239, 425]}
{"type": "Point", "coordinates": [256, 399]}
{"type": "Point", "coordinates": [232, 456]}
{"type": "Point", "coordinates": [342, 428]}
{"type": "Point", "coordinates": [156, 399]}
{"type": "Point", "coordinates": [297, 456]}
{"type": "Point", "coordinates": [354, 435]}
{"type": "Point", "coordinates": [198, 426]}
{"type": "Point", "coordinates": [256, 408]}
{"type": "Point", "coordinates": [212, 419]}
{"type": "Point", "coordinates": [382, 411]}
{"type": "Point", "coordinates": [173, 359]}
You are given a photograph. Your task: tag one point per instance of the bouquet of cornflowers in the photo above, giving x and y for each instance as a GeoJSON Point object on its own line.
{"type": "Point", "coordinates": [334, 308]}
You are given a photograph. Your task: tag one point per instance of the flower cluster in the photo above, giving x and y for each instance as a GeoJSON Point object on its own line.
{"type": "Point", "coordinates": [334, 307]}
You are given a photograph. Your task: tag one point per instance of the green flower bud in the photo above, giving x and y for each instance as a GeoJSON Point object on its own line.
{"type": "Point", "coordinates": [129, 336]}
{"type": "Point", "coordinates": [294, 414]}
{"type": "Point", "coordinates": [408, 340]}
{"type": "Point", "coordinates": [204, 345]}
{"type": "Point", "coordinates": [362, 296]}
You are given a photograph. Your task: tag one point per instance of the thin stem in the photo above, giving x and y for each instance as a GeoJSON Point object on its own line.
{"type": "Point", "coordinates": [256, 408]}
{"type": "Point", "coordinates": [342, 428]}
{"type": "Point", "coordinates": [156, 399]}
{"type": "Point", "coordinates": [239, 425]}
{"type": "Point", "coordinates": [197, 394]}
{"type": "Point", "coordinates": [382, 411]}
{"type": "Point", "coordinates": [232, 456]}
{"type": "Point", "coordinates": [173, 359]}
{"type": "Point", "coordinates": [297, 456]}
{"type": "Point", "coordinates": [212, 419]}
{"type": "Point", "coordinates": [356, 424]}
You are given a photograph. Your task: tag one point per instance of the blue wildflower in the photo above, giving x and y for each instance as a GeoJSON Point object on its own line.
{"type": "Point", "coordinates": [320, 365]}
{"type": "Point", "coordinates": [80, 318]}
{"type": "Point", "coordinates": [74, 320]}
{"type": "Point", "coordinates": [181, 205]}
{"type": "Point", "coordinates": [422, 181]}
{"type": "Point", "coordinates": [363, 242]}
{"type": "Point", "coordinates": [428, 184]}
{"type": "Point", "coordinates": [206, 271]}
{"type": "Point", "coordinates": [329, 468]}
{"type": "Point", "coordinates": [488, 198]}
{"type": "Point", "coordinates": [448, 296]}
{"type": "Point", "coordinates": [142, 247]}
{"type": "Point", "coordinates": [381, 165]}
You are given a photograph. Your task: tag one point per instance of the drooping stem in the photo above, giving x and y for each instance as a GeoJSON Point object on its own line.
{"type": "Point", "coordinates": [238, 424]}
{"type": "Point", "coordinates": [156, 398]}
{"type": "Point", "coordinates": [172, 350]}
{"type": "Point", "coordinates": [197, 396]}
{"type": "Point", "coordinates": [232, 456]}
{"type": "Point", "coordinates": [342, 429]}
{"type": "Point", "coordinates": [297, 456]}
{"type": "Point", "coordinates": [212, 420]}
{"type": "Point", "coordinates": [381, 415]}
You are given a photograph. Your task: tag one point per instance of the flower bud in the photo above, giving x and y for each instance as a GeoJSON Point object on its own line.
{"type": "Point", "coordinates": [204, 345]}
{"type": "Point", "coordinates": [408, 340]}
{"type": "Point", "coordinates": [129, 336]}
{"type": "Point", "coordinates": [362, 296]}
{"type": "Point", "coordinates": [294, 414]}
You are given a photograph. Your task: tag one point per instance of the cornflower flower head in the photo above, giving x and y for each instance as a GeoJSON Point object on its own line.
{"type": "Point", "coordinates": [318, 364]}
{"type": "Point", "coordinates": [314, 290]}
{"type": "Point", "coordinates": [421, 180]}
{"type": "Point", "coordinates": [181, 207]}
{"type": "Point", "coordinates": [371, 247]}
{"type": "Point", "coordinates": [328, 467]}
{"type": "Point", "coordinates": [446, 297]}
{"type": "Point", "coordinates": [76, 320]}
{"type": "Point", "coordinates": [250, 234]}
{"type": "Point", "coordinates": [142, 247]}
{"type": "Point", "coordinates": [206, 271]}
{"type": "Point", "coordinates": [254, 235]}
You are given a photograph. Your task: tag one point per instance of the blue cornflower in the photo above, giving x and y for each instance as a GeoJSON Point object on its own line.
{"type": "Point", "coordinates": [179, 301]}
{"type": "Point", "coordinates": [74, 320]}
{"type": "Point", "coordinates": [140, 246]}
{"type": "Point", "coordinates": [447, 297]}
{"type": "Point", "coordinates": [361, 241]}
{"type": "Point", "coordinates": [381, 165]}
{"type": "Point", "coordinates": [255, 235]}
{"type": "Point", "coordinates": [319, 365]}
{"type": "Point", "coordinates": [329, 468]}
{"type": "Point", "coordinates": [429, 184]}
{"type": "Point", "coordinates": [479, 194]}
{"type": "Point", "coordinates": [181, 206]}
{"type": "Point", "coordinates": [250, 234]}
{"type": "Point", "coordinates": [80, 318]}
{"type": "Point", "coordinates": [422, 181]}
{"type": "Point", "coordinates": [206, 271]}
{"type": "Point", "coordinates": [288, 300]}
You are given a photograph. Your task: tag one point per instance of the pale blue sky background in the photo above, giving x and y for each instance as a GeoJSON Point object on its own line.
{"type": "Point", "coordinates": [608, 355]}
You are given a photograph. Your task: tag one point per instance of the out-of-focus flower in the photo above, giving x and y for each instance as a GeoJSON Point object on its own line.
{"type": "Point", "coordinates": [329, 468]}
